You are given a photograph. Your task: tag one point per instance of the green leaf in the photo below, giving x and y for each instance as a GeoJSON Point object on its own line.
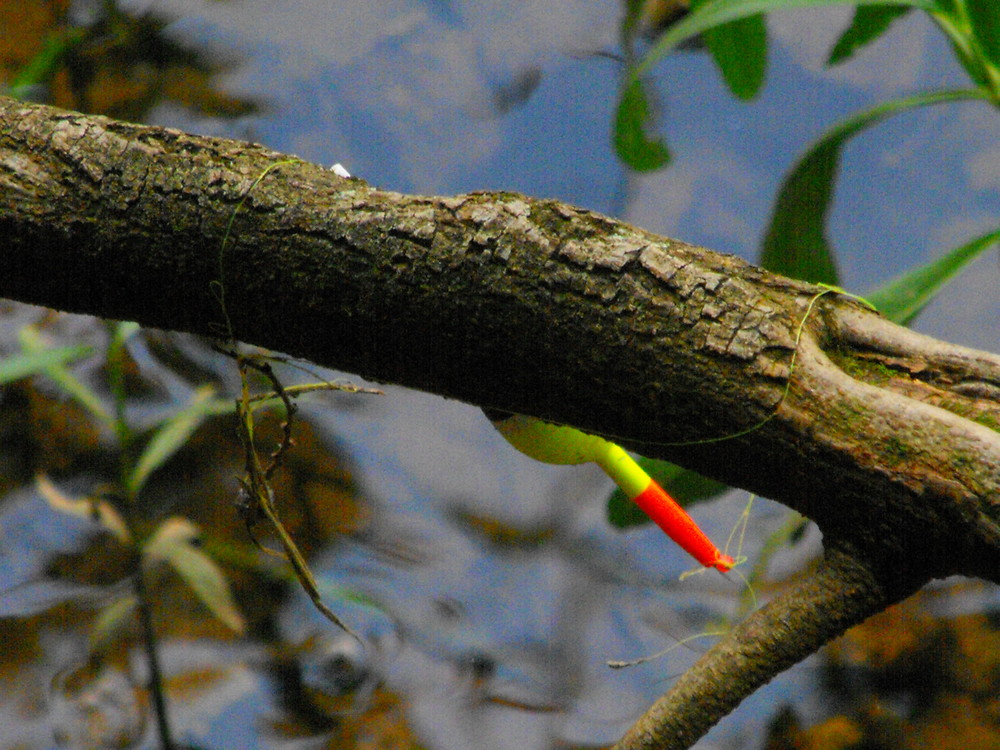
{"type": "Point", "coordinates": [111, 621]}
{"type": "Point", "coordinates": [739, 48]}
{"type": "Point", "coordinates": [902, 299]}
{"type": "Point", "coordinates": [954, 21]}
{"type": "Point", "coordinates": [177, 542]}
{"type": "Point", "coordinates": [173, 433]}
{"type": "Point", "coordinates": [869, 23]}
{"type": "Point", "coordinates": [644, 153]}
{"type": "Point", "coordinates": [31, 363]}
{"type": "Point", "coordinates": [623, 513]}
{"type": "Point", "coordinates": [46, 63]}
{"type": "Point", "coordinates": [334, 592]}
{"type": "Point", "coordinates": [717, 12]}
{"type": "Point", "coordinates": [685, 486]}
{"type": "Point", "coordinates": [985, 18]}
{"type": "Point", "coordinates": [633, 146]}
{"type": "Point", "coordinates": [796, 244]}
{"type": "Point", "coordinates": [32, 342]}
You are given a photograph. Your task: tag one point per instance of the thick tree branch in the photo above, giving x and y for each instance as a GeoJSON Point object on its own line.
{"type": "Point", "coordinates": [887, 439]}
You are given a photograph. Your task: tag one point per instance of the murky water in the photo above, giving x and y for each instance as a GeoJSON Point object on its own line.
{"type": "Point", "coordinates": [489, 589]}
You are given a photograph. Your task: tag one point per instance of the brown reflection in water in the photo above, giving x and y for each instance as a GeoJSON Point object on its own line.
{"type": "Point", "coordinates": [121, 65]}
{"type": "Point", "coordinates": [907, 680]}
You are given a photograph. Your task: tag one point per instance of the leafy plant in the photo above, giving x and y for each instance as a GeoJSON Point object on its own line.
{"type": "Point", "coordinates": [175, 543]}
{"type": "Point", "coordinates": [796, 242]}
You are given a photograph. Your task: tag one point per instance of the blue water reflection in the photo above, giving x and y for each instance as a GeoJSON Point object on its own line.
{"type": "Point", "coordinates": [446, 97]}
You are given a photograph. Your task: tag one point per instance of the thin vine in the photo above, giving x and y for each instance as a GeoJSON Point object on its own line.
{"type": "Point", "coordinates": [255, 500]}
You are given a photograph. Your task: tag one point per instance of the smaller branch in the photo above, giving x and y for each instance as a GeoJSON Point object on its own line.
{"type": "Point", "coordinates": [840, 592]}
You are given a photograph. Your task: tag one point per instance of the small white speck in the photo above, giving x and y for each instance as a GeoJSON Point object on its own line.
{"type": "Point", "coordinates": [338, 169]}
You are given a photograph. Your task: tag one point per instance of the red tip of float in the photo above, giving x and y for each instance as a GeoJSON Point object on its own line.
{"type": "Point", "coordinates": [724, 563]}
{"type": "Point", "coordinates": [679, 526]}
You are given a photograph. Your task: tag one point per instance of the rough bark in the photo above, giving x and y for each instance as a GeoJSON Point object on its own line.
{"type": "Point", "coordinates": [887, 439]}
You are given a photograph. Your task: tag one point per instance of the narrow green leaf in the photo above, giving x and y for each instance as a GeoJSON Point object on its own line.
{"type": "Point", "coordinates": [116, 360]}
{"type": "Point", "coordinates": [209, 584]}
{"type": "Point", "coordinates": [46, 63]}
{"type": "Point", "coordinates": [739, 48]}
{"type": "Point", "coordinates": [32, 342]}
{"type": "Point", "coordinates": [685, 486]}
{"type": "Point", "coordinates": [902, 299]}
{"type": "Point", "coordinates": [633, 146]}
{"type": "Point", "coordinates": [111, 621]}
{"type": "Point", "coordinates": [985, 18]}
{"type": "Point", "coordinates": [869, 23]}
{"type": "Point", "coordinates": [717, 12]}
{"type": "Point", "coordinates": [177, 542]}
{"type": "Point", "coordinates": [173, 433]}
{"type": "Point", "coordinates": [623, 513]}
{"type": "Point", "coordinates": [796, 244]}
{"type": "Point", "coordinates": [645, 153]}
{"type": "Point", "coordinates": [31, 363]}
{"type": "Point", "coordinates": [334, 592]}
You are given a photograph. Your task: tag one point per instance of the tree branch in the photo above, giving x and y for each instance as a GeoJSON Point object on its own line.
{"type": "Point", "coordinates": [886, 438]}
{"type": "Point", "coordinates": [839, 593]}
